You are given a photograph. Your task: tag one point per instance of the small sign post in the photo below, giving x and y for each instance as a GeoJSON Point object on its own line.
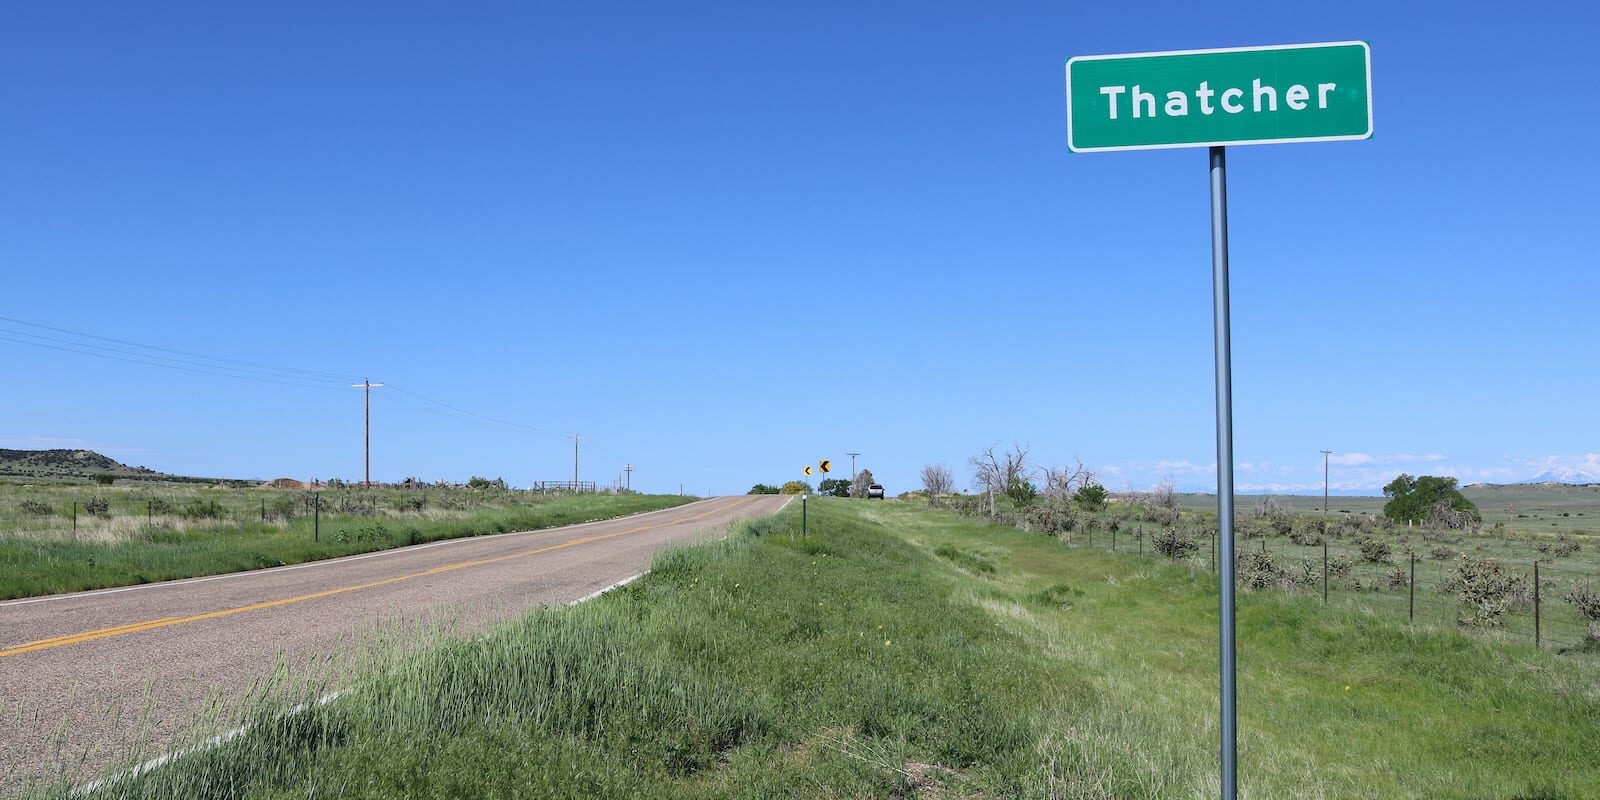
{"type": "Point", "coordinates": [1211, 99]}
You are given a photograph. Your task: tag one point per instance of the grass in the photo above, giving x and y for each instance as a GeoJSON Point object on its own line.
{"type": "Point", "coordinates": [1538, 509]}
{"type": "Point", "coordinates": [128, 545]}
{"type": "Point", "coordinates": [864, 660]}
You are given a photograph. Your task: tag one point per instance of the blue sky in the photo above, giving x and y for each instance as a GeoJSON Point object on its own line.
{"type": "Point", "coordinates": [724, 240]}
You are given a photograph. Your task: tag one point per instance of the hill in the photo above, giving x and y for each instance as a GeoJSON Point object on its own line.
{"type": "Point", "coordinates": [79, 465]}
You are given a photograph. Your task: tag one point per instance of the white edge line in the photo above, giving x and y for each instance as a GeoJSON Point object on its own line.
{"type": "Point", "coordinates": [340, 560]}
{"type": "Point", "coordinates": [228, 736]}
{"type": "Point", "coordinates": [209, 744]}
{"type": "Point", "coordinates": [1366, 50]}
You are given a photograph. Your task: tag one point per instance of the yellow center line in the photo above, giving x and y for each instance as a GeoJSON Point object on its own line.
{"type": "Point", "coordinates": [164, 622]}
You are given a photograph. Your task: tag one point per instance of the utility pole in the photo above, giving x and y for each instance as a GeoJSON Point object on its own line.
{"type": "Point", "coordinates": [575, 437]}
{"type": "Point", "coordinates": [627, 469]}
{"type": "Point", "coordinates": [1325, 454]}
{"type": "Point", "coordinates": [852, 472]}
{"type": "Point", "coordinates": [366, 387]}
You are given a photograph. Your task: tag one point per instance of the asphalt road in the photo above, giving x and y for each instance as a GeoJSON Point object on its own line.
{"type": "Point", "coordinates": [93, 678]}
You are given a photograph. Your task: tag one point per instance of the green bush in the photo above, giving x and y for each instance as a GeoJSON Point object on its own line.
{"type": "Point", "coordinates": [96, 507]}
{"type": "Point", "coordinates": [1375, 551]}
{"type": "Point", "coordinates": [1484, 587]}
{"type": "Point", "coordinates": [1258, 569]}
{"type": "Point", "coordinates": [1339, 566]}
{"type": "Point", "coordinates": [1173, 543]}
{"type": "Point", "coordinates": [1586, 601]}
{"type": "Point", "coordinates": [1091, 497]}
{"type": "Point", "coordinates": [35, 507]}
{"type": "Point", "coordinates": [203, 509]}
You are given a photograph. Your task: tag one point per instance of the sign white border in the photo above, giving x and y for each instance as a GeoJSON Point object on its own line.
{"type": "Point", "coordinates": [1366, 50]}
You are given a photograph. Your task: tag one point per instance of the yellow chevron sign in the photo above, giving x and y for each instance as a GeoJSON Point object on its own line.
{"type": "Point", "coordinates": [807, 470]}
{"type": "Point", "coordinates": [827, 466]}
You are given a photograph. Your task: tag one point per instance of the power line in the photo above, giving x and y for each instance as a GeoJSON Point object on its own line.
{"type": "Point", "coordinates": [240, 369]}
{"type": "Point", "coordinates": [202, 356]}
{"type": "Point", "coordinates": [214, 372]}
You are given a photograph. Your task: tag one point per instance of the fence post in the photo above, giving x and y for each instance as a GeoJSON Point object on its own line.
{"type": "Point", "coordinates": [150, 512]}
{"type": "Point", "coordinates": [74, 518]}
{"type": "Point", "coordinates": [316, 519]}
{"type": "Point", "coordinates": [1411, 611]}
{"type": "Point", "coordinates": [1324, 571]}
{"type": "Point", "coordinates": [1537, 638]}
{"type": "Point", "coordinates": [1113, 540]}
{"type": "Point", "coordinates": [1141, 540]}
{"type": "Point", "coordinates": [1213, 551]}
{"type": "Point", "coordinates": [263, 509]}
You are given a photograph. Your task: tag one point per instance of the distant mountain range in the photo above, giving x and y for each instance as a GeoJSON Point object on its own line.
{"type": "Point", "coordinates": [1569, 475]}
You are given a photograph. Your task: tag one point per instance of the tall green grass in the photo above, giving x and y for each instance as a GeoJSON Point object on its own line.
{"type": "Point", "coordinates": [32, 566]}
{"type": "Point", "coordinates": [863, 660]}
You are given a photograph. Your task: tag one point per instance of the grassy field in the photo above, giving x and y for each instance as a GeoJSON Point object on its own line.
{"type": "Point", "coordinates": [1529, 508]}
{"type": "Point", "coordinates": [901, 652]}
{"type": "Point", "coordinates": [51, 542]}
{"type": "Point", "coordinates": [1518, 532]}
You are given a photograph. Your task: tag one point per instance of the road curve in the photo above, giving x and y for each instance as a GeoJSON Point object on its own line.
{"type": "Point", "coordinates": [100, 675]}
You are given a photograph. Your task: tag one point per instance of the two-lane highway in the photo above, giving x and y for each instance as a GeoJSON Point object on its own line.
{"type": "Point", "coordinates": [92, 674]}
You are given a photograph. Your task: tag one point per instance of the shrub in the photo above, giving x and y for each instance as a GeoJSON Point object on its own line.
{"type": "Point", "coordinates": [762, 488]}
{"type": "Point", "coordinates": [1375, 551]}
{"type": "Point", "coordinates": [1173, 543]}
{"type": "Point", "coordinates": [35, 507]}
{"type": "Point", "coordinates": [1283, 524]}
{"type": "Point", "coordinates": [1566, 546]}
{"type": "Point", "coordinates": [1339, 566]}
{"type": "Point", "coordinates": [1253, 529]}
{"type": "Point", "coordinates": [282, 508]}
{"type": "Point", "coordinates": [1485, 589]}
{"type": "Point", "coordinates": [1052, 516]}
{"type": "Point", "coordinates": [1397, 578]}
{"type": "Point", "coordinates": [1308, 533]}
{"type": "Point", "coordinates": [1259, 570]}
{"type": "Point", "coordinates": [202, 509]}
{"type": "Point", "coordinates": [1442, 553]}
{"type": "Point", "coordinates": [1091, 497]}
{"type": "Point", "coordinates": [795, 487]}
{"type": "Point", "coordinates": [1586, 601]}
{"type": "Point", "coordinates": [96, 507]}
{"type": "Point", "coordinates": [1542, 547]}
{"type": "Point", "coordinates": [105, 480]}
{"type": "Point", "coordinates": [412, 503]}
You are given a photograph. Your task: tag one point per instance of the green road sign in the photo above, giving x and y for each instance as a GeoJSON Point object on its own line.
{"type": "Point", "coordinates": [1206, 98]}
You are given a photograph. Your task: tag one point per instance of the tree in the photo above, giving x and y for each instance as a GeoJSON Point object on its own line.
{"type": "Point", "coordinates": [936, 481]}
{"type": "Point", "coordinates": [1067, 480]}
{"type": "Point", "coordinates": [858, 487]}
{"type": "Point", "coordinates": [834, 487]}
{"type": "Point", "coordinates": [795, 487]}
{"type": "Point", "coordinates": [995, 473]}
{"type": "Point", "coordinates": [1022, 494]}
{"type": "Point", "coordinates": [762, 488]}
{"type": "Point", "coordinates": [1426, 497]}
{"type": "Point", "coordinates": [1091, 497]}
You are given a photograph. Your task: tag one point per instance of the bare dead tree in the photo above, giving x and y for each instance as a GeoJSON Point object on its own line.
{"type": "Point", "coordinates": [937, 481]}
{"type": "Point", "coordinates": [1066, 480]}
{"type": "Point", "coordinates": [994, 473]}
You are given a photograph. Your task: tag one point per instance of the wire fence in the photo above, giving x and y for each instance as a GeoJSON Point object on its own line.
{"type": "Point", "coordinates": [111, 514]}
{"type": "Point", "coordinates": [1529, 602]}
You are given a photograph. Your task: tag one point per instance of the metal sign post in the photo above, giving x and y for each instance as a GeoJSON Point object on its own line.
{"type": "Point", "coordinates": [1214, 98]}
{"type": "Point", "coordinates": [1224, 356]}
